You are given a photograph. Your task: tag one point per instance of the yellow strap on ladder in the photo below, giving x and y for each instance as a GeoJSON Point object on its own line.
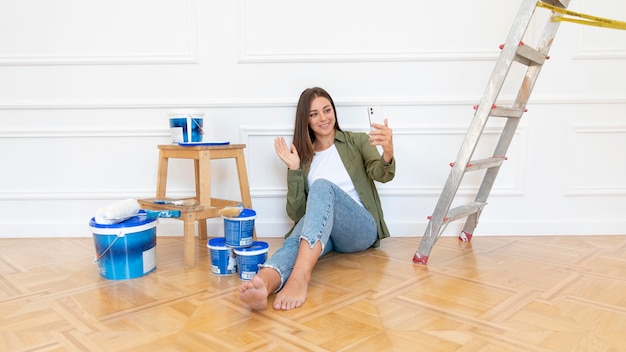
{"type": "Point", "coordinates": [586, 19]}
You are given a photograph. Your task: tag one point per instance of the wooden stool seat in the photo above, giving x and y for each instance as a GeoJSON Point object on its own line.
{"type": "Point", "coordinates": [206, 207]}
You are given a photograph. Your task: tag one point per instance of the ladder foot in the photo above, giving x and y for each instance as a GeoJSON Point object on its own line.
{"type": "Point", "coordinates": [465, 237]}
{"type": "Point", "coordinates": [420, 259]}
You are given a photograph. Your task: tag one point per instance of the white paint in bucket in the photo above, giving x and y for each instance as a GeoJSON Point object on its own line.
{"type": "Point", "coordinates": [249, 258]}
{"type": "Point", "coordinates": [239, 231]}
{"type": "Point", "coordinates": [186, 127]}
{"type": "Point", "coordinates": [223, 261]}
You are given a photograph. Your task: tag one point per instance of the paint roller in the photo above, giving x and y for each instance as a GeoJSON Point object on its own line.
{"type": "Point", "coordinates": [231, 212]}
{"type": "Point", "coordinates": [123, 210]}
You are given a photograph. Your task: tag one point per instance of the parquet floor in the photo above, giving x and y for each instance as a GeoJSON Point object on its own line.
{"type": "Point", "coordinates": [563, 293]}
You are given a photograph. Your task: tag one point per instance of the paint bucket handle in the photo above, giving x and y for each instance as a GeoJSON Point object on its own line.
{"type": "Point", "coordinates": [99, 256]}
{"type": "Point", "coordinates": [196, 123]}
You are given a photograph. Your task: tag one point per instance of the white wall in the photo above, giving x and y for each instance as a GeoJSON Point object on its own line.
{"type": "Point", "coordinates": [85, 88]}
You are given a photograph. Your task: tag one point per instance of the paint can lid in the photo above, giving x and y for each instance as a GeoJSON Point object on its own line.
{"type": "Point", "coordinates": [257, 247]}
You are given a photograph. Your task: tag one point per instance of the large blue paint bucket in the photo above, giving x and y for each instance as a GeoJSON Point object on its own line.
{"type": "Point", "coordinates": [126, 250]}
{"type": "Point", "coordinates": [239, 231]}
{"type": "Point", "coordinates": [249, 258]}
{"type": "Point", "coordinates": [186, 128]}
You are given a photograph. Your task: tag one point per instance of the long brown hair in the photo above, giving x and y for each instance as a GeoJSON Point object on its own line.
{"type": "Point", "coordinates": [303, 136]}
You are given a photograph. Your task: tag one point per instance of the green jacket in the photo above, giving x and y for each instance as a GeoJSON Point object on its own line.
{"type": "Point", "coordinates": [364, 165]}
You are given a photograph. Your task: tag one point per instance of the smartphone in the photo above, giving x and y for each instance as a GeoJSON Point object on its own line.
{"type": "Point", "coordinates": [375, 115]}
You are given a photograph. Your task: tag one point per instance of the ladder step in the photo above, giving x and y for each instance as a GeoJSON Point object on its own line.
{"type": "Point", "coordinates": [529, 56]}
{"type": "Point", "coordinates": [480, 164]}
{"type": "Point", "coordinates": [463, 211]}
{"type": "Point", "coordinates": [498, 111]}
{"type": "Point", "coordinates": [506, 112]}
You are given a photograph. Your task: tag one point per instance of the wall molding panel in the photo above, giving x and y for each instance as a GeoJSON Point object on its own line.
{"type": "Point", "coordinates": [57, 37]}
{"type": "Point", "coordinates": [600, 55]}
{"type": "Point", "coordinates": [587, 173]}
{"type": "Point", "coordinates": [597, 43]}
{"type": "Point", "coordinates": [81, 133]}
{"type": "Point", "coordinates": [262, 38]}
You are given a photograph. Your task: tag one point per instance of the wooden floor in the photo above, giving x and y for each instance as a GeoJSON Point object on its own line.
{"type": "Point", "coordinates": [494, 294]}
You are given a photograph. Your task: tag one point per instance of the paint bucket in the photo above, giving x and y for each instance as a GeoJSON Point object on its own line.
{"type": "Point", "coordinates": [125, 250]}
{"type": "Point", "coordinates": [223, 261]}
{"type": "Point", "coordinates": [239, 231]}
{"type": "Point", "coordinates": [186, 128]}
{"type": "Point", "coordinates": [249, 258]}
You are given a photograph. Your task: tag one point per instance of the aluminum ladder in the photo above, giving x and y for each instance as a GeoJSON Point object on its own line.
{"type": "Point", "coordinates": [513, 50]}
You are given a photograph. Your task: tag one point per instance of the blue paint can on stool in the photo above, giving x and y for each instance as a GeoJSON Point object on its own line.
{"type": "Point", "coordinates": [186, 128]}
{"type": "Point", "coordinates": [125, 250]}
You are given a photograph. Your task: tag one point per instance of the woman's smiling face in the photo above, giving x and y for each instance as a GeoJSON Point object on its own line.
{"type": "Point", "coordinates": [321, 117]}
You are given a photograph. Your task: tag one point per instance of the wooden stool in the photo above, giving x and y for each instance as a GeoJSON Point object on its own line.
{"type": "Point", "coordinates": [206, 206]}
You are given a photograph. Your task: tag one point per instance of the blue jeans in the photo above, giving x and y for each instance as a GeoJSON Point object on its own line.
{"type": "Point", "coordinates": [333, 218]}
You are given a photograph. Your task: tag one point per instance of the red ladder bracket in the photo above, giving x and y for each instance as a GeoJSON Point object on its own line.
{"type": "Point", "coordinates": [465, 237]}
{"type": "Point", "coordinates": [420, 259]}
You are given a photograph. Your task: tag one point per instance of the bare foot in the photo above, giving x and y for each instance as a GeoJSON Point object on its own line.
{"type": "Point", "coordinates": [293, 294]}
{"type": "Point", "coordinates": [254, 293]}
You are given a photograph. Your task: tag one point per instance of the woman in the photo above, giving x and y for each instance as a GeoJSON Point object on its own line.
{"type": "Point", "coordinates": [331, 197]}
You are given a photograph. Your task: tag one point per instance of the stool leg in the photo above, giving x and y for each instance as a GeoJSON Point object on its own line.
{"type": "Point", "coordinates": [202, 229]}
{"type": "Point", "coordinates": [203, 178]}
{"type": "Point", "coordinates": [244, 187]}
{"type": "Point", "coordinates": [202, 168]}
{"type": "Point", "coordinates": [161, 176]}
{"type": "Point", "coordinates": [189, 241]}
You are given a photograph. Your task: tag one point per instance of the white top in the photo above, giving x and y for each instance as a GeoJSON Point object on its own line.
{"type": "Point", "coordinates": [327, 164]}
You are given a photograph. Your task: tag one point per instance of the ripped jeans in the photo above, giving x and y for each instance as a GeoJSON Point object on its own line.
{"type": "Point", "coordinates": [333, 218]}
